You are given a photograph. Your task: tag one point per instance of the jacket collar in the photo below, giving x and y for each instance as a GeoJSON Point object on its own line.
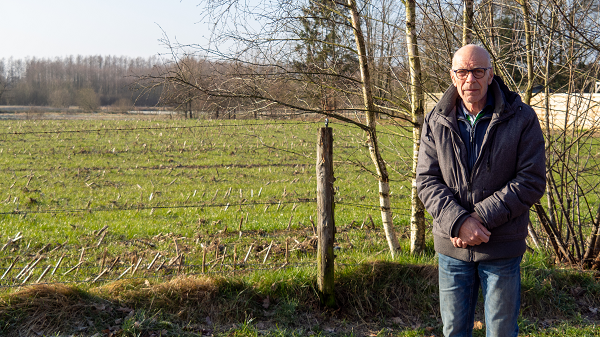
{"type": "Point", "coordinates": [446, 107]}
{"type": "Point", "coordinates": [487, 110]}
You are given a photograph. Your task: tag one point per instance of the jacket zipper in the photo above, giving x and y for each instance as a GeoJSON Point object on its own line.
{"type": "Point", "coordinates": [481, 152]}
{"type": "Point", "coordinates": [471, 174]}
{"type": "Point", "coordinates": [461, 163]}
{"type": "Point", "coordinates": [491, 129]}
{"type": "Point", "coordinates": [473, 147]}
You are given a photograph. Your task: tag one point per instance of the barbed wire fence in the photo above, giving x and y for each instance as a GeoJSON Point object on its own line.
{"type": "Point", "coordinates": [62, 263]}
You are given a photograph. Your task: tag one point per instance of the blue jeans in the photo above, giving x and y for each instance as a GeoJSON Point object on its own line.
{"type": "Point", "coordinates": [459, 288]}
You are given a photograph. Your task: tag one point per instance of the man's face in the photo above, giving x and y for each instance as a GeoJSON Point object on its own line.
{"type": "Point", "coordinates": [472, 90]}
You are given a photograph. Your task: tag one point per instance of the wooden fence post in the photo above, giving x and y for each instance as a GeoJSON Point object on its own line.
{"type": "Point", "coordinates": [326, 224]}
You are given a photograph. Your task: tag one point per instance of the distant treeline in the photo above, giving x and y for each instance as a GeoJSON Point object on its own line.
{"type": "Point", "coordinates": [85, 81]}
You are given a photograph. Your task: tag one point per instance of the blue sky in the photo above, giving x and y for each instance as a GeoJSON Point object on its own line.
{"type": "Point", "coordinates": [57, 28]}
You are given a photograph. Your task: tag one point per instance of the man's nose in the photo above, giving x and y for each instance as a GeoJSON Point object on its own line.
{"type": "Point", "coordinates": [471, 77]}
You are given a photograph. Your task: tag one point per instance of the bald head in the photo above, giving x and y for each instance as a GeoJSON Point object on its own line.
{"type": "Point", "coordinates": [474, 77]}
{"type": "Point", "coordinates": [474, 52]}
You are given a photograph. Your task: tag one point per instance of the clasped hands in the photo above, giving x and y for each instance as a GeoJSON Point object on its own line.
{"type": "Point", "coordinates": [471, 233]}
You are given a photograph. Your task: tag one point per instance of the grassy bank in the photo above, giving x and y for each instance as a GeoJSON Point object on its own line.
{"type": "Point", "coordinates": [376, 298]}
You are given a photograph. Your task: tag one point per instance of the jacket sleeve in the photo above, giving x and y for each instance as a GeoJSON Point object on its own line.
{"type": "Point", "coordinates": [436, 196]}
{"type": "Point", "coordinates": [527, 187]}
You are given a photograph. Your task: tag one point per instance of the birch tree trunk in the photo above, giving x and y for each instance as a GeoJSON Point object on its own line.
{"type": "Point", "coordinates": [417, 213]}
{"type": "Point", "coordinates": [367, 93]}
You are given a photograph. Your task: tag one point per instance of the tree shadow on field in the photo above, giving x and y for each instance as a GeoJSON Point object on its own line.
{"type": "Point", "coordinates": [43, 309]}
{"type": "Point", "coordinates": [387, 289]}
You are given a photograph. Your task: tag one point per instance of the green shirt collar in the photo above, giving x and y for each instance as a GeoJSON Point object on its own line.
{"type": "Point", "coordinates": [489, 103]}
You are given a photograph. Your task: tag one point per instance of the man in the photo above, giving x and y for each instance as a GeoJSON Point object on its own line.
{"type": "Point", "coordinates": [481, 167]}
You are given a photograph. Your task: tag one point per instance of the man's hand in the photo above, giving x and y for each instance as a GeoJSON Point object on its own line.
{"type": "Point", "coordinates": [471, 233]}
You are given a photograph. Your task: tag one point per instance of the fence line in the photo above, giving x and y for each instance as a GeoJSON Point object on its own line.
{"type": "Point", "coordinates": [164, 167]}
{"type": "Point", "coordinates": [17, 133]}
{"type": "Point", "coordinates": [24, 271]}
{"type": "Point", "coordinates": [178, 268]}
{"type": "Point", "coordinates": [184, 127]}
{"type": "Point", "coordinates": [140, 208]}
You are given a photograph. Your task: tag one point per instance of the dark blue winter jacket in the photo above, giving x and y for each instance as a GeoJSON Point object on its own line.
{"type": "Point", "coordinates": [506, 179]}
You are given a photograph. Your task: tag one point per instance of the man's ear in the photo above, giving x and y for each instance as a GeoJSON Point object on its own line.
{"type": "Point", "coordinates": [452, 77]}
{"type": "Point", "coordinates": [491, 76]}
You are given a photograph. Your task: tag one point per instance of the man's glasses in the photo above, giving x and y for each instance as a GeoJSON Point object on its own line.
{"type": "Point", "coordinates": [464, 73]}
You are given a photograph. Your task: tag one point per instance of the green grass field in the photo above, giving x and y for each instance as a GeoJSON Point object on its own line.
{"type": "Point", "coordinates": [191, 181]}
{"type": "Point", "coordinates": [148, 202]}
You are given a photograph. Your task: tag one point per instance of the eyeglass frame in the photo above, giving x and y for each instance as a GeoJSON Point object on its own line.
{"type": "Point", "coordinates": [471, 71]}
